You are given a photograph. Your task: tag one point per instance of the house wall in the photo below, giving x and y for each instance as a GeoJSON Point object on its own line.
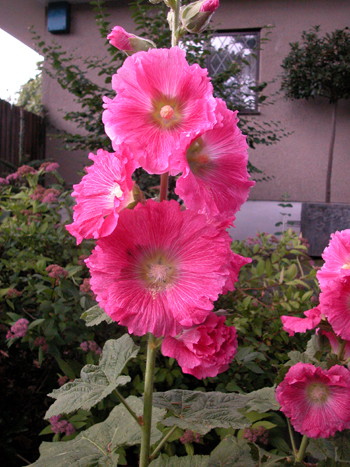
{"type": "Point", "coordinates": [297, 164]}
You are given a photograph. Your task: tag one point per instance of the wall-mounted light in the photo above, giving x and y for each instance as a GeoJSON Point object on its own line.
{"type": "Point", "coordinates": [58, 17]}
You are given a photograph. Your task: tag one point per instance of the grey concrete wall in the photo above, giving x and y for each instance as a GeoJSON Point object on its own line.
{"type": "Point", "coordinates": [297, 163]}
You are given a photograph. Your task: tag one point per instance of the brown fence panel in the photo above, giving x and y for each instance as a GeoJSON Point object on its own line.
{"type": "Point", "coordinates": [22, 137]}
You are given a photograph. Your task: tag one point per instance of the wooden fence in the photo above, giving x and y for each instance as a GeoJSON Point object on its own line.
{"type": "Point", "coordinates": [22, 137]}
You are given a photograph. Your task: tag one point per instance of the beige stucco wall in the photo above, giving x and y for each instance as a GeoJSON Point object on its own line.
{"type": "Point", "coordinates": [297, 163]}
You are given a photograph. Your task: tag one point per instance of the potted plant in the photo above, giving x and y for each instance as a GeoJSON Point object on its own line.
{"type": "Point", "coordinates": [320, 67]}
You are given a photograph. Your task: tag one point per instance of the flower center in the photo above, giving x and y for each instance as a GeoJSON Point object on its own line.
{"type": "Point", "coordinates": [318, 393]}
{"type": "Point", "coordinates": [197, 158]}
{"type": "Point", "coordinates": [157, 272]}
{"type": "Point", "coordinates": [117, 191]}
{"type": "Point", "coordinates": [166, 112]}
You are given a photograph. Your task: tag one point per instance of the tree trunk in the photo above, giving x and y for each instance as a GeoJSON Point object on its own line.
{"type": "Point", "coordinates": [330, 154]}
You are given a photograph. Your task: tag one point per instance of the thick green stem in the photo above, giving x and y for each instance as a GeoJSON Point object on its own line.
{"type": "Point", "coordinates": [175, 30]}
{"type": "Point", "coordinates": [126, 405]}
{"type": "Point", "coordinates": [302, 448]}
{"type": "Point", "coordinates": [162, 442]}
{"type": "Point", "coordinates": [147, 401]}
{"type": "Point", "coordinates": [292, 438]}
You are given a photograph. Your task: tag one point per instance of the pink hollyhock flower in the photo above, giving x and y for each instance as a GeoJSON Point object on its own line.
{"type": "Point", "coordinates": [161, 269]}
{"type": "Point", "coordinates": [292, 324]}
{"type": "Point", "coordinates": [102, 194]}
{"type": "Point", "coordinates": [334, 343]}
{"type": "Point", "coordinates": [337, 258]}
{"type": "Point", "coordinates": [205, 349]}
{"type": "Point", "coordinates": [215, 178]}
{"type": "Point", "coordinates": [162, 103]}
{"type": "Point", "coordinates": [210, 6]}
{"type": "Point", "coordinates": [335, 305]}
{"type": "Point", "coordinates": [316, 401]}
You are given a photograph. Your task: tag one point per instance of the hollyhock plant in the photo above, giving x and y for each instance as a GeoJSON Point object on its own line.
{"type": "Point", "coordinates": [162, 103]}
{"type": "Point", "coordinates": [215, 178]}
{"type": "Point", "coordinates": [336, 257]}
{"type": "Point", "coordinates": [102, 194]}
{"type": "Point", "coordinates": [292, 324]}
{"type": "Point", "coordinates": [335, 305]}
{"type": "Point", "coordinates": [205, 349]}
{"type": "Point", "coordinates": [161, 269]}
{"type": "Point", "coordinates": [316, 401]}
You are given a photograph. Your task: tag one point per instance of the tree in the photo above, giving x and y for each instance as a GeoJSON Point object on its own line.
{"type": "Point", "coordinates": [320, 66]}
{"type": "Point", "coordinates": [30, 94]}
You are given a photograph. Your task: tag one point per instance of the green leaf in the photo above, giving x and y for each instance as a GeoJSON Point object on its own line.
{"type": "Point", "coordinates": [188, 461]}
{"type": "Point", "coordinates": [231, 452]}
{"type": "Point", "coordinates": [261, 401]}
{"type": "Point", "coordinates": [95, 315]}
{"type": "Point", "coordinates": [96, 446]}
{"type": "Point", "coordinates": [35, 323]}
{"type": "Point", "coordinates": [336, 447]}
{"type": "Point", "coordinates": [201, 412]}
{"type": "Point", "coordinates": [96, 381]}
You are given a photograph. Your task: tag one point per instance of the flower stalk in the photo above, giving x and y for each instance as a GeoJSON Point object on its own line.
{"type": "Point", "coordinates": [147, 401]}
{"type": "Point", "coordinates": [302, 449]}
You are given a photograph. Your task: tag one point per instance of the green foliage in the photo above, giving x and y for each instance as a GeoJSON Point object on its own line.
{"type": "Point", "coordinates": [95, 315]}
{"type": "Point", "coordinates": [96, 381]}
{"type": "Point", "coordinates": [30, 94]}
{"type": "Point", "coordinates": [98, 444]}
{"type": "Point", "coordinates": [334, 448]}
{"type": "Point", "coordinates": [280, 281]}
{"type": "Point", "coordinates": [319, 66]}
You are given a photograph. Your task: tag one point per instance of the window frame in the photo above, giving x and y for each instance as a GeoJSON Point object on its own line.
{"type": "Point", "coordinates": [239, 32]}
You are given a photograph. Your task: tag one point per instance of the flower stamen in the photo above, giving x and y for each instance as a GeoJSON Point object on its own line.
{"type": "Point", "coordinates": [166, 112]}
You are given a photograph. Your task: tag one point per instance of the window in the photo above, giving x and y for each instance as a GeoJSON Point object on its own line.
{"type": "Point", "coordinates": [235, 54]}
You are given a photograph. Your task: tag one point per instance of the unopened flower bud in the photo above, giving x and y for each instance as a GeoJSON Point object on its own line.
{"type": "Point", "coordinates": [210, 6]}
{"type": "Point", "coordinates": [195, 17]}
{"type": "Point", "coordinates": [127, 42]}
{"type": "Point", "coordinates": [138, 197]}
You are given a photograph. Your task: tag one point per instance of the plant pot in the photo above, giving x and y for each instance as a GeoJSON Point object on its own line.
{"type": "Point", "coordinates": [319, 220]}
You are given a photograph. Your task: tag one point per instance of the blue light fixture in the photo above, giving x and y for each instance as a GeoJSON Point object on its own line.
{"type": "Point", "coordinates": [58, 17]}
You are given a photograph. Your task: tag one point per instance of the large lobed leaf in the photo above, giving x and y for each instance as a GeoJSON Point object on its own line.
{"type": "Point", "coordinates": [96, 446]}
{"type": "Point", "coordinates": [96, 381]}
{"type": "Point", "coordinates": [201, 412]}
